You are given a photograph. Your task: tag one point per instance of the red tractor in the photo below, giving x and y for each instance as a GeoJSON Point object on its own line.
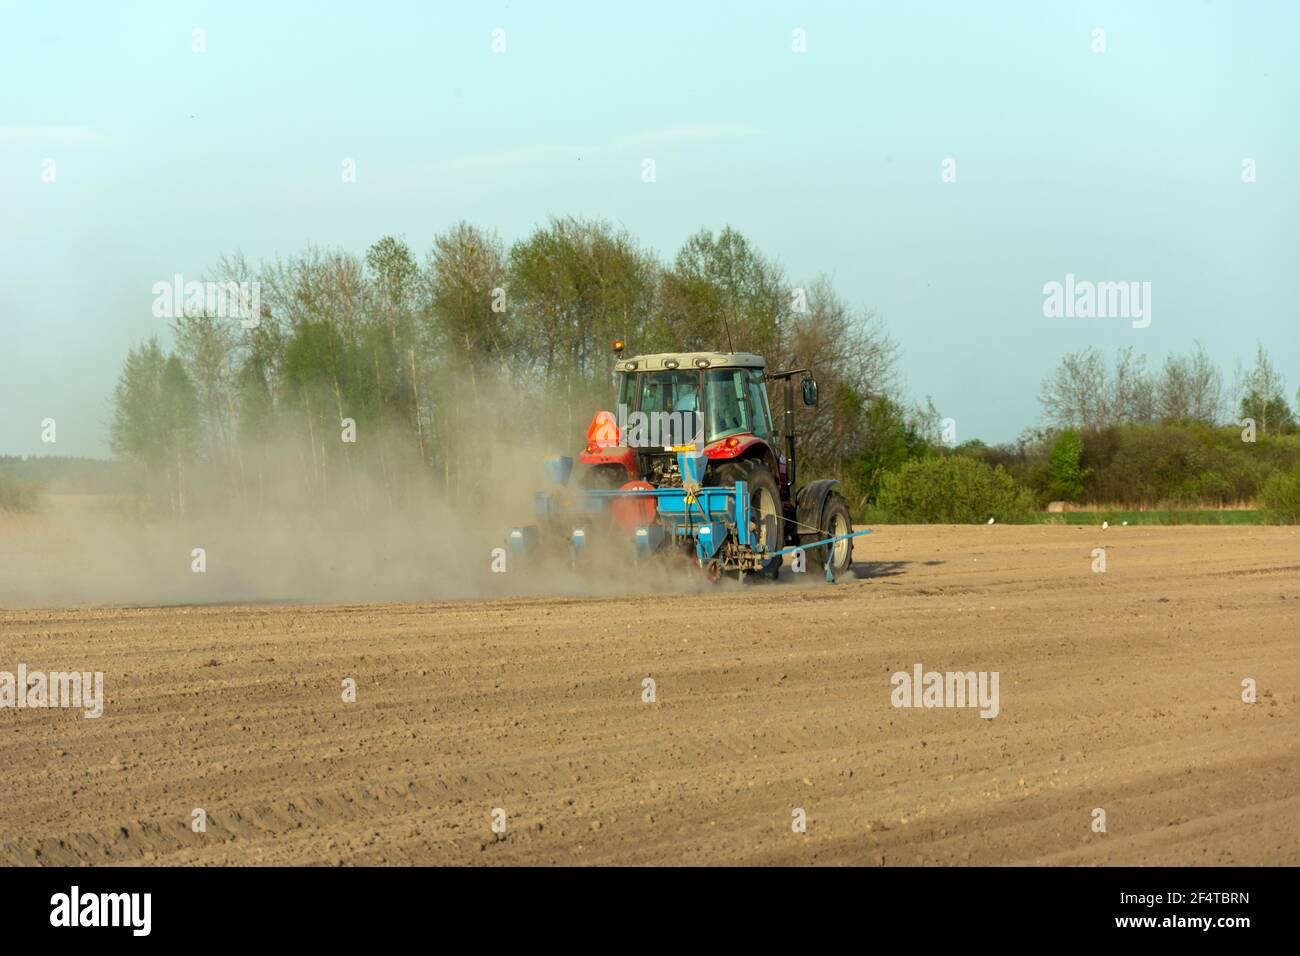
{"type": "Point", "coordinates": [715, 403]}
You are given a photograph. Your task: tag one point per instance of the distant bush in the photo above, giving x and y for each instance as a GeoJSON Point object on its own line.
{"type": "Point", "coordinates": [1281, 496]}
{"type": "Point", "coordinates": [1064, 471]}
{"type": "Point", "coordinates": [1209, 488]}
{"type": "Point", "coordinates": [16, 495]}
{"type": "Point", "coordinates": [1172, 464]}
{"type": "Point", "coordinates": [953, 490]}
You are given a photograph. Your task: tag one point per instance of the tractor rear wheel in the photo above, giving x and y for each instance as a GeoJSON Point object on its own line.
{"type": "Point", "coordinates": [764, 501]}
{"type": "Point", "coordinates": [834, 524]}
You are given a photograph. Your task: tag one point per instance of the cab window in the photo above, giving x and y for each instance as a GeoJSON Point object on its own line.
{"type": "Point", "coordinates": [729, 403]}
{"type": "Point", "coordinates": [669, 392]}
{"type": "Point", "coordinates": [627, 390]}
{"type": "Point", "coordinates": [761, 414]}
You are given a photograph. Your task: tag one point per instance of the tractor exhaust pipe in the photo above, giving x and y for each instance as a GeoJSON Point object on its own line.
{"type": "Point", "coordinates": [789, 431]}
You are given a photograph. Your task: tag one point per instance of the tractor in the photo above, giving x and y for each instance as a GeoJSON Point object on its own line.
{"type": "Point", "coordinates": [691, 464]}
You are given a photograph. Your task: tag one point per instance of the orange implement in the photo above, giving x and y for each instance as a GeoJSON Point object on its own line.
{"type": "Point", "coordinates": [631, 513]}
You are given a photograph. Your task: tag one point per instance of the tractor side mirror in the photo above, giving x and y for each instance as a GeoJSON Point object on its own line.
{"type": "Point", "coordinates": [809, 391]}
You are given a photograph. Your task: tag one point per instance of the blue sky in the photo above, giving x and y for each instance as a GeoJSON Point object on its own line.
{"type": "Point", "coordinates": [1115, 166]}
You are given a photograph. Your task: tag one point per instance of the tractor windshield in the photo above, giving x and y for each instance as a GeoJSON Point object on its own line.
{"type": "Point", "coordinates": [670, 402]}
{"type": "Point", "coordinates": [674, 391]}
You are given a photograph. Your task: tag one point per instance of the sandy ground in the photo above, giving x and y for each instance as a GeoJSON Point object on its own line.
{"type": "Point", "coordinates": [1119, 691]}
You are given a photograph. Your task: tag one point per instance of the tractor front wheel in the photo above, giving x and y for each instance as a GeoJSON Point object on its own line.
{"type": "Point", "coordinates": [764, 501]}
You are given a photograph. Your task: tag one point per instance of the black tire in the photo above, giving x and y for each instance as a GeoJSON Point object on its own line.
{"type": "Point", "coordinates": [835, 521]}
{"type": "Point", "coordinates": [765, 517]}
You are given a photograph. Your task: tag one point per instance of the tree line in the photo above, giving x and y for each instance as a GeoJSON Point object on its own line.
{"type": "Point", "coordinates": [1118, 431]}
{"type": "Point", "coordinates": [443, 364]}
{"type": "Point", "coordinates": [378, 378]}
{"type": "Point", "coordinates": [1088, 392]}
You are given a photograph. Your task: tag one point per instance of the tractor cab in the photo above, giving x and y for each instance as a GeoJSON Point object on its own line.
{"type": "Point", "coordinates": [725, 393]}
{"type": "Point", "coordinates": [710, 403]}
{"type": "Point", "coordinates": [713, 404]}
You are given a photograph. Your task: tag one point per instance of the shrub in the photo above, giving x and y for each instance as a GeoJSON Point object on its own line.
{"type": "Point", "coordinates": [16, 495]}
{"type": "Point", "coordinates": [953, 490]}
{"type": "Point", "coordinates": [1065, 474]}
{"type": "Point", "coordinates": [1281, 496]}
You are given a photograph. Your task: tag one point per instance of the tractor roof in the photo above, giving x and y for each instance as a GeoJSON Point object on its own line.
{"type": "Point", "coordinates": [687, 360]}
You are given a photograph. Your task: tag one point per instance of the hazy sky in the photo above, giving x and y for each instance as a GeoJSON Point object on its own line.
{"type": "Point", "coordinates": [1124, 165]}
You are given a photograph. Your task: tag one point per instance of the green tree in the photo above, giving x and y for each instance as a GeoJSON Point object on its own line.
{"type": "Point", "coordinates": [884, 448]}
{"type": "Point", "coordinates": [577, 285]}
{"type": "Point", "coordinates": [1064, 467]}
{"type": "Point", "coordinates": [156, 419]}
{"type": "Point", "coordinates": [469, 320]}
{"type": "Point", "coordinates": [397, 284]}
{"type": "Point", "coordinates": [721, 293]}
{"type": "Point", "coordinates": [1264, 397]}
{"type": "Point", "coordinates": [136, 429]}
{"type": "Point", "coordinates": [207, 345]}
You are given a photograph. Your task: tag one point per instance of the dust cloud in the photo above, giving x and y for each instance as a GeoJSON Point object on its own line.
{"type": "Point", "coordinates": [103, 550]}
